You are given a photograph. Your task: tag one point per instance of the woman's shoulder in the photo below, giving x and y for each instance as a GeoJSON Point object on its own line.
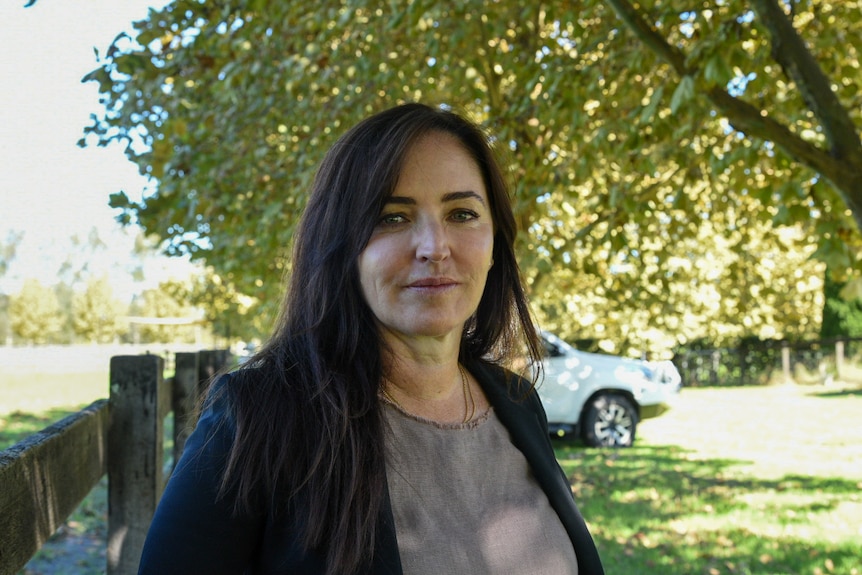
{"type": "Point", "coordinates": [494, 375]}
{"type": "Point", "coordinates": [224, 388]}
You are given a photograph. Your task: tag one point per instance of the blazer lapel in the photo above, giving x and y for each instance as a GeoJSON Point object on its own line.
{"type": "Point", "coordinates": [387, 560]}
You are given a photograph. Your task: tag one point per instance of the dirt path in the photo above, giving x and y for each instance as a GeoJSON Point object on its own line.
{"type": "Point", "coordinates": [67, 553]}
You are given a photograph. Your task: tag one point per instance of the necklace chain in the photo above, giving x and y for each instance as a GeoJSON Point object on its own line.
{"type": "Point", "coordinates": [469, 406]}
{"type": "Point", "coordinates": [469, 402]}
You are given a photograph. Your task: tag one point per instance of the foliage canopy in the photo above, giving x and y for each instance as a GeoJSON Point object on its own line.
{"type": "Point", "coordinates": [674, 167]}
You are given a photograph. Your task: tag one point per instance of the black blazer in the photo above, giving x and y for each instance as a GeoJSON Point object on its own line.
{"type": "Point", "coordinates": [193, 532]}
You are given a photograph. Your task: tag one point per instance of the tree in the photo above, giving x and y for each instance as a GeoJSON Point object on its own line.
{"type": "Point", "coordinates": [76, 269]}
{"type": "Point", "coordinates": [831, 147]}
{"type": "Point", "coordinates": [228, 313]}
{"type": "Point", "coordinates": [8, 250]}
{"type": "Point", "coordinates": [842, 314]}
{"type": "Point", "coordinates": [34, 313]}
{"type": "Point", "coordinates": [161, 317]}
{"type": "Point", "coordinates": [624, 147]}
{"type": "Point", "coordinates": [65, 299]}
{"type": "Point", "coordinates": [97, 316]}
{"type": "Point", "coordinates": [231, 314]}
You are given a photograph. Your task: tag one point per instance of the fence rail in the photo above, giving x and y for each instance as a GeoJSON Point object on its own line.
{"type": "Point", "coordinates": [45, 477]}
{"type": "Point", "coordinates": [763, 362]}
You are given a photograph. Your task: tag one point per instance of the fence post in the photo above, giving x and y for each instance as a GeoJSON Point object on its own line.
{"type": "Point", "coordinates": [785, 361]}
{"type": "Point", "coordinates": [193, 371]}
{"type": "Point", "coordinates": [185, 397]}
{"type": "Point", "coordinates": [839, 359]}
{"type": "Point", "coordinates": [210, 361]}
{"type": "Point", "coordinates": [135, 456]}
{"type": "Point", "coordinates": [714, 367]}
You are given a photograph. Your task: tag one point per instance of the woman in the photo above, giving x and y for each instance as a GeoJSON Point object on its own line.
{"type": "Point", "coordinates": [376, 431]}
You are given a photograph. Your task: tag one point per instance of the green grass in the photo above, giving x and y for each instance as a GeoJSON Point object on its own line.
{"type": "Point", "coordinates": [731, 481]}
{"type": "Point", "coordinates": [760, 481]}
{"type": "Point", "coordinates": [31, 402]}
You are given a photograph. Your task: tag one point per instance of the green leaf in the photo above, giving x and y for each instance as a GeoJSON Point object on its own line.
{"type": "Point", "coordinates": [147, 35]}
{"type": "Point", "coordinates": [852, 290]}
{"type": "Point", "coordinates": [799, 213]}
{"type": "Point", "coordinates": [650, 109]}
{"type": "Point", "coordinates": [763, 194]}
{"type": "Point", "coordinates": [681, 201]}
{"type": "Point", "coordinates": [101, 76]}
{"type": "Point", "coordinates": [791, 191]}
{"type": "Point", "coordinates": [782, 216]}
{"type": "Point", "coordinates": [683, 94]}
{"type": "Point", "coordinates": [717, 72]}
{"type": "Point", "coordinates": [119, 200]}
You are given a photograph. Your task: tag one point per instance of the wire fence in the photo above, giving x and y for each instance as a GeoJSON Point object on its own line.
{"type": "Point", "coordinates": [764, 362]}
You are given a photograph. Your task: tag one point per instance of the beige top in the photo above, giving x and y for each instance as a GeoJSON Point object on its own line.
{"type": "Point", "coordinates": [465, 501]}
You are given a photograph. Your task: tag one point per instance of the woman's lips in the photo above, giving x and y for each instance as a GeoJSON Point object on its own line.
{"type": "Point", "coordinates": [435, 282]}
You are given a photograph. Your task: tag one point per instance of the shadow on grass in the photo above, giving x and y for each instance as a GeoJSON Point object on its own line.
{"type": "Point", "coordinates": [79, 546]}
{"type": "Point", "coordinates": [658, 510]}
{"type": "Point", "coordinates": [838, 393]}
{"type": "Point", "coordinates": [18, 425]}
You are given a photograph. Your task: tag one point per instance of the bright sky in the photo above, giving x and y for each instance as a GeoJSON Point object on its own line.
{"type": "Point", "coordinates": [49, 188]}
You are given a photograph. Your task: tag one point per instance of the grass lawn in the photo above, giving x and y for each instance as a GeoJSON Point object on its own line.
{"type": "Point", "coordinates": [735, 480]}
{"type": "Point", "coordinates": [764, 481]}
{"type": "Point", "coordinates": [31, 402]}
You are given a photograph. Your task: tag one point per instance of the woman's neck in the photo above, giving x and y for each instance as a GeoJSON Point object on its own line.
{"type": "Point", "coordinates": [429, 382]}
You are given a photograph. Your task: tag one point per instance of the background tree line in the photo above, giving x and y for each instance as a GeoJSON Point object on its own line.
{"type": "Point", "coordinates": [681, 170]}
{"type": "Point", "coordinates": [41, 314]}
{"type": "Point", "coordinates": [176, 311]}
{"type": "Point", "coordinates": [81, 306]}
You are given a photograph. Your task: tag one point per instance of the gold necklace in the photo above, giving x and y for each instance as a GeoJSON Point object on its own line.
{"type": "Point", "coordinates": [469, 405]}
{"type": "Point", "coordinates": [469, 402]}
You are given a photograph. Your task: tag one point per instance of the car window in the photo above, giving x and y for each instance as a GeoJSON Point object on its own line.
{"type": "Point", "coordinates": [551, 349]}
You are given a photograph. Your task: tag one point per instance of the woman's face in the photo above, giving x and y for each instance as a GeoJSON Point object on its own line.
{"type": "Point", "coordinates": [425, 266]}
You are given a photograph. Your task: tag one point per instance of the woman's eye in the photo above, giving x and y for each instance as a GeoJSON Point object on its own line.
{"type": "Point", "coordinates": [464, 215]}
{"type": "Point", "coordinates": [390, 219]}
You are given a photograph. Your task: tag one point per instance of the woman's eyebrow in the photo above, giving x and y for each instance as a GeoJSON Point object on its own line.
{"type": "Point", "coordinates": [404, 200]}
{"type": "Point", "coordinates": [449, 197]}
{"type": "Point", "coordinates": [468, 194]}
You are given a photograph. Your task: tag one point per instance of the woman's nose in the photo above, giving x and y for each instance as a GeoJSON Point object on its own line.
{"type": "Point", "coordinates": [432, 243]}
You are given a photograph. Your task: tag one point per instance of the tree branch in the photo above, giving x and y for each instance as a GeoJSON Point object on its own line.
{"type": "Point", "coordinates": [635, 21]}
{"type": "Point", "coordinates": [748, 119]}
{"type": "Point", "coordinates": [791, 52]}
{"type": "Point", "coordinates": [742, 115]}
{"type": "Point", "coordinates": [841, 163]}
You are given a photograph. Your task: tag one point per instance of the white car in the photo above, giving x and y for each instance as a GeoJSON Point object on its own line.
{"type": "Point", "coordinates": [601, 398]}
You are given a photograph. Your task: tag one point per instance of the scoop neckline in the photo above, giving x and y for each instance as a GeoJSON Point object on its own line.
{"type": "Point", "coordinates": [472, 424]}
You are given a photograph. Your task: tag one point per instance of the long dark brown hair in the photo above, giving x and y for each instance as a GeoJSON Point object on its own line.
{"type": "Point", "coordinates": [309, 430]}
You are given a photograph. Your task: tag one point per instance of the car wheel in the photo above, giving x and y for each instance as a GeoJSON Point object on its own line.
{"type": "Point", "coordinates": [610, 421]}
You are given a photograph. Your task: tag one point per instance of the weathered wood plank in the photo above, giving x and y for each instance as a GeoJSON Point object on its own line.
{"type": "Point", "coordinates": [185, 397]}
{"type": "Point", "coordinates": [210, 363]}
{"type": "Point", "coordinates": [45, 477]}
{"type": "Point", "coordinates": [135, 449]}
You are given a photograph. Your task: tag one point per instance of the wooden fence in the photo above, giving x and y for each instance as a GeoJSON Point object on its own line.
{"type": "Point", "coordinates": [45, 477]}
{"type": "Point", "coordinates": [773, 361]}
